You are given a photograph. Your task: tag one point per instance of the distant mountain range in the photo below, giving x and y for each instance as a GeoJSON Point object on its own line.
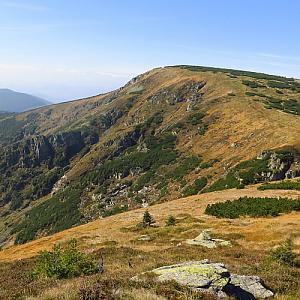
{"type": "Point", "coordinates": [11, 101]}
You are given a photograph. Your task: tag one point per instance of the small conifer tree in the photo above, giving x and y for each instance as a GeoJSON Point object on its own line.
{"type": "Point", "coordinates": [148, 219]}
{"type": "Point", "coordinates": [171, 221]}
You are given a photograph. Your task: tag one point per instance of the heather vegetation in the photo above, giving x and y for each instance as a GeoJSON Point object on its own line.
{"type": "Point", "coordinates": [253, 207]}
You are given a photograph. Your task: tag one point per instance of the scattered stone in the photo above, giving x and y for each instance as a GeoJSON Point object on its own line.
{"type": "Point", "coordinates": [235, 145]}
{"type": "Point", "coordinates": [204, 239]}
{"type": "Point", "coordinates": [144, 238]}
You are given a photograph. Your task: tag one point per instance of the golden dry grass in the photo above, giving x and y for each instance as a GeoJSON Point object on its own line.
{"type": "Point", "coordinates": [258, 233]}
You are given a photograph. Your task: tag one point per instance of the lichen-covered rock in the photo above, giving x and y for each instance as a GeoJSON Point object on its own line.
{"type": "Point", "coordinates": [214, 279]}
{"type": "Point", "coordinates": [200, 275]}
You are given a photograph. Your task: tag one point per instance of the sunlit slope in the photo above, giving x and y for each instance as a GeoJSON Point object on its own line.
{"type": "Point", "coordinates": [144, 143]}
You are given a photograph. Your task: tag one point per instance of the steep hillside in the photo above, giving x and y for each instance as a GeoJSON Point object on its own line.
{"type": "Point", "coordinates": [11, 101]}
{"type": "Point", "coordinates": [122, 247]}
{"type": "Point", "coordinates": [171, 132]}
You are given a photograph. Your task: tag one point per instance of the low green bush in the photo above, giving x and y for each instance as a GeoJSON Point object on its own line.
{"type": "Point", "coordinates": [56, 214]}
{"type": "Point", "coordinates": [278, 84]}
{"type": "Point", "coordinates": [63, 263]}
{"type": "Point", "coordinates": [284, 254]}
{"type": "Point", "coordinates": [208, 164]}
{"type": "Point", "coordinates": [196, 187]}
{"type": "Point", "coordinates": [247, 172]}
{"type": "Point", "coordinates": [160, 152]}
{"type": "Point", "coordinates": [196, 118]}
{"type": "Point", "coordinates": [184, 167]}
{"type": "Point", "coordinates": [115, 210]}
{"type": "Point", "coordinates": [291, 106]}
{"type": "Point", "coordinates": [252, 207]}
{"type": "Point", "coordinates": [252, 84]}
{"type": "Point", "coordinates": [284, 185]}
{"type": "Point", "coordinates": [235, 73]}
{"type": "Point", "coordinates": [171, 221]}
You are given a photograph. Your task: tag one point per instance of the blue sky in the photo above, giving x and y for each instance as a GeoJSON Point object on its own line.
{"type": "Point", "coordinates": [65, 49]}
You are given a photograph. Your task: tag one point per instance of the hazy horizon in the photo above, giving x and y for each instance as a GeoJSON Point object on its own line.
{"type": "Point", "coordinates": [64, 51]}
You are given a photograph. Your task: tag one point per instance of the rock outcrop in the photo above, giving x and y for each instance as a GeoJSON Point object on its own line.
{"type": "Point", "coordinates": [280, 164]}
{"type": "Point", "coordinates": [200, 275]}
{"type": "Point", "coordinates": [204, 239]}
{"type": "Point", "coordinates": [294, 171]}
{"type": "Point", "coordinates": [213, 278]}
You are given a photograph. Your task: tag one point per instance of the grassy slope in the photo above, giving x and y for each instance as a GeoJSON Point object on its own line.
{"type": "Point", "coordinates": [258, 234]}
{"type": "Point", "coordinates": [115, 238]}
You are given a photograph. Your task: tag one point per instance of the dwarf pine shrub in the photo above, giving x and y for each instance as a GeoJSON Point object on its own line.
{"type": "Point", "coordinates": [63, 263]}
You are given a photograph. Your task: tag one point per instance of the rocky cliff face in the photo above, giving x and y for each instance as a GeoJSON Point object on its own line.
{"type": "Point", "coordinates": [281, 165]}
{"type": "Point", "coordinates": [35, 160]}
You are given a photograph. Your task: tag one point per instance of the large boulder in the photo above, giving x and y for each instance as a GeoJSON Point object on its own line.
{"type": "Point", "coordinates": [214, 279]}
{"type": "Point", "coordinates": [200, 275]}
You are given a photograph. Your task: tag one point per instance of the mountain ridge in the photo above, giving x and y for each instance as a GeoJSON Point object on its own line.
{"type": "Point", "coordinates": [169, 132]}
{"type": "Point", "coordinates": [12, 101]}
